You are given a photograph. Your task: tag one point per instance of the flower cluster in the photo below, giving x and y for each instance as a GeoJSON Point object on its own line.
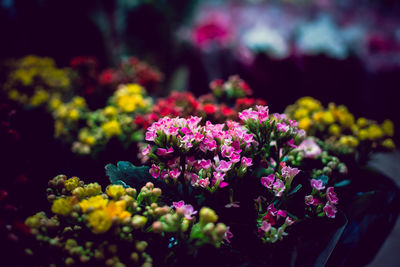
{"type": "Point", "coordinates": [131, 70]}
{"type": "Point", "coordinates": [34, 80]}
{"type": "Point", "coordinates": [128, 223]}
{"type": "Point", "coordinates": [338, 127]}
{"type": "Point", "coordinates": [90, 130]}
{"type": "Point", "coordinates": [233, 88]}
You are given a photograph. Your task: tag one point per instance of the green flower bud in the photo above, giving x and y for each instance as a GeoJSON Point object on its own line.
{"type": "Point", "coordinates": [157, 227]}
{"type": "Point", "coordinates": [208, 229]}
{"type": "Point", "coordinates": [141, 246]}
{"type": "Point", "coordinates": [135, 257]}
{"type": "Point", "coordinates": [207, 215]}
{"type": "Point", "coordinates": [138, 221]}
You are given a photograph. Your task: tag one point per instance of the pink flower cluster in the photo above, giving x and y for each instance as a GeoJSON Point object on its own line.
{"type": "Point", "coordinates": [220, 150]}
{"type": "Point", "coordinates": [278, 182]}
{"type": "Point", "coordinates": [271, 218]}
{"type": "Point", "coordinates": [315, 199]}
{"type": "Point", "coordinates": [188, 209]}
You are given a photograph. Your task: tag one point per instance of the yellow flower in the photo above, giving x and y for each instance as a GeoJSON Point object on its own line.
{"type": "Point", "coordinates": [346, 119]}
{"type": "Point", "coordinates": [334, 129]}
{"type": "Point", "coordinates": [55, 103]}
{"type": "Point", "coordinates": [58, 128]}
{"type": "Point", "coordinates": [86, 138]}
{"type": "Point", "coordinates": [61, 206]}
{"type": "Point", "coordinates": [328, 117]}
{"type": "Point", "coordinates": [115, 191]}
{"type": "Point", "coordinates": [111, 128]}
{"type": "Point", "coordinates": [362, 134]}
{"type": "Point", "coordinates": [362, 122]}
{"type": "Point", "coordinates": [39, 98]}
{"type": "Point", "coordinates": [110, 111]}
{"type": "Point", "coordinates": [300, 113]}
{"type": "Point", "coordinates": [348, 140]}
{"type": "Point", "coordinates": [134, 88]}
{"type": "Point", "coordinates": [305, 123]}
{"type": "Point", "coordinates": [374, 132]}
{"type": "Point", "coordinates": [13, 94]}
{"type": "Point", "coordinates": [78, 102]}
{"type": "Point", "coordinates": [309, 103]}
{"type": "Point", "coordinates": [96, 202]}
{"type": "Point", "coordinates": [129, 103]}
{"type": "Point", "coordinates": [388, 143]}
{"type": "Point", "coordinates": [73, 114]}
{"type": "Point", "coordinates": [99, 221]}
{"type": "Point", "coordinates": [117, 209]}
{"type": "Point", "coordinates": [318, 116]}
{"type": "Point", "coordinates": [72, 183]}
{"type": "Point", "coordinates": [388, 127]}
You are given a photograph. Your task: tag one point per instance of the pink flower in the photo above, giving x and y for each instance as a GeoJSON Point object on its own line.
{"type": "Point", "coordinates": [280, 116]}
{"type": "Point", "coordinates": [185, 130]}
{"type": "Point", "coordinates": [212, 145]}
{"type": "Point", "coordinates": [265, 226]}
{"type": "Point", "coordinates": [309, 200]}
{"type": "Point", "coordinates": [174, 173]}
{"type": "Point", "coordinates": [198, 137]}
{"type": "Point", "coordinates": [291, 143]}
{"type": "Point", "coordinates": [268, 181]}
{"type": "Point", "coordinates": [234, 204]}
{"type": "Point", "coordinates": [154, 171]}
{"type": "Point", "coordinates": [247, 161]}
{"type": "Point", "coordinates": [224, 166]}
{"type": "Point", "coordinates": [164, 152]}
{"type": "Point", "coordinates": [189, 211]}
{"type": "Point", "coordinates": [235, 157]}
{"type": "Point", "coordinates": [279, 187]}
{"type": "Point", "coordinates": [331, 195]}
{"type": "Point", "coordinates": [248, 138]}
{"type": "Point", "coordinates": [228, 235]}
{"type": "Point", "coordinates": [262, 113]}
{"type": "Point", "coordinates": [272, 210]}
{"type": "Point", "coordinates": [282, 213]}
{"type": "Point", "coordinates": [146, 151]}
{"type": "Point", "coordinates": [151, 135]}
{"type": "Point", "coordinates": [179, 204]}
{"type": "Point", "coordinates": [164, 175]}
{"type": "Point", "coordinates": [289, 221]}
{"type": "Point", "coordinates": [288, 172]}
{"type": "Point", "coordinates": [330, 210]}
{"type": "Point", "coordinates": [227, 151]}
{"type": "Point", "coordinates": [205, 164]}
{"type": "Point", "coordinates": [203, 182]}
{"type": "Point", "coordinates": [173, 130]}
{"type": "Point", "coordinates": [317, 184]}
{"type": "Point", "coordinates": [282, 127]}
{"type": "Point", "coordinates": [310, 147]}
{"type": "Point", "coordinates": [244, 115]}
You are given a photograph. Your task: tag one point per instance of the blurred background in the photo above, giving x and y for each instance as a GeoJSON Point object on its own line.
{"type": "Point", "coordinates": [347, 52]}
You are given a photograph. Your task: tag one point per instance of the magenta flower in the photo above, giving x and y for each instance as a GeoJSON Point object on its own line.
{"type": "Point", "coordinates": [310, 147]}
{"type": "Point", "coordinates": [224, 166]}
{"type": "Point", "coordinates": [272, 210]}
{"type": "Point", "coordinates": [154, 171]}
{"type": "Point", "coordinates": [317, 184]}
{"type": "Point", "coordinates": [179, 204]}
{"type": "Point", "coordinates": [309, 200]}
{"type": "Point", "coordinates": [330, 210]}
{"type": "Point", "coordinates": [151, 135]}
{"type": "Point", "coordinates": [219, 175]}
{"type": "Point", "coordinates": [268, 181]}
{"type": "Point", "coordinates": [248, 138]}
{"type": "Point", "coordinates": [288, 172]}
{"type": "Point", "coordinates": [234, 204]}
{"type": "Point", "coordinates": [280, 116]}
{"type": "Point", "coordinates": [228, 235]}
{"type": "Point", "coordinates": [262, 113]}
{"type": "Point", "coordinates": [247, 161]}
{"type": "Point", "coordinates": [227, 151]}
{"type": "Point", "coordinates": [185, 130]}
{"type": "Point", "coordinates": [244, 115]}
{"type": "Point", "coordinates": [146, 151]}
{"type": "Point", "coordinates": [205, 164]}
{"type": "Point", "coordinates": [212, 145]}
{"type": "Point", "coordinates": [164, 175]}
{"type": "Point", "coordinates": [198, 137]}
{"type": "Point", "coordinates": [291, 143]}
{"type": "Point", "coordinates": [279, 187]}
{"type": "Point", "coordinates": [235, 158]}
{"type": "Point", "coordinates": [331, 195]}
{"type": "Point", "coordinates": [289, 221]}
{"type": "Point", "coordinates": [164, 152]}
{"type": "Point", "coordinates": [203, 182]}
{"type": "Point", "coordinates": [282, 213]}
{"type": "Point", "coordinates": [174, 173]}
{"type": "Point", "coordinates": [173, 130]}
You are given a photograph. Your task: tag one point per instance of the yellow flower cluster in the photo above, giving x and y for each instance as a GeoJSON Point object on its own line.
{"type": "Point", "coordinates": [33, 80]}
{"type": "Point", "coordinates": [129, 98]}
{"type": "Point", "coordinates": [338, 124]}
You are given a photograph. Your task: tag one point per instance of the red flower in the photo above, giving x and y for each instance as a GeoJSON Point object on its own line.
{"type": "Point", "coordinates": [107, 77]}
{"type": "Point", "coordinates": [209, 108]}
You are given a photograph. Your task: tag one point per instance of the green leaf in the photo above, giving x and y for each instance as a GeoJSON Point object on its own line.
{"type": "Point", "coordinates": [342, 183]}
{"type": "Point", "coordinates": [297, 188]}
{"type": "Point", "coordinates": [323, 178]}
{"type": "Point", "coordinates": [128, 175]}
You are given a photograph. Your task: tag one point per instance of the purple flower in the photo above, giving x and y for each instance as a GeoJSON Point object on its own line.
{"type": "Point", "coordinates": [331, 195]}
{"type": "Point", "coordinates": [268, 181]}
{"type": "Point", "coordinates": [189, 211]}
{"type": "Point", "coordinates": [228, 235]}
{"type": "Point", "coordinates": [310, 147]}
{"type": "Point", "coordinates": [224, 166]}
{"type": "Point", "coordinates": [174, 173]}
{"type": "Point", "coordinates": [151, 135]}
{"type": "Point", "coordinates": [279, 187]}
{"type": "Point", "coordinates": [309, 200]}
{"type": "Point", "coordinates": [247, 161]}
{"type": "Point", "coordinates": [330, 210]}
{"type": "Point", "coordinates": [154, 171]}
{"type": "Point", "coordinates": [317, 184]}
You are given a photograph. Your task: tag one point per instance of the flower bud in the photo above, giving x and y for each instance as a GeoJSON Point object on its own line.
{"type": "Point", "coordinates": [153, 205]}
{"type": "Point", "coordinates": [157, 192]}
{"type": "Point", "coordinates": [220, 230]}
{"type": "Point", "coordinates": [138, 221]}
{"type": "Point", "coordinates": [207, 215]}
{"type": "Point", "coordinates": [208, 228]}
{"type": "Point", "coordinates": [131, 192]}
{"type": "Point", "coordinates": [150, 185]}
{"type": "Point", "coordinates": [135, 257]}
{"type": "Point", "coordinates": [141, 246]}
{"type": "Point", "coordinates": [157, 227]}
{"type": "Point", "coordinates": [69, 261]}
